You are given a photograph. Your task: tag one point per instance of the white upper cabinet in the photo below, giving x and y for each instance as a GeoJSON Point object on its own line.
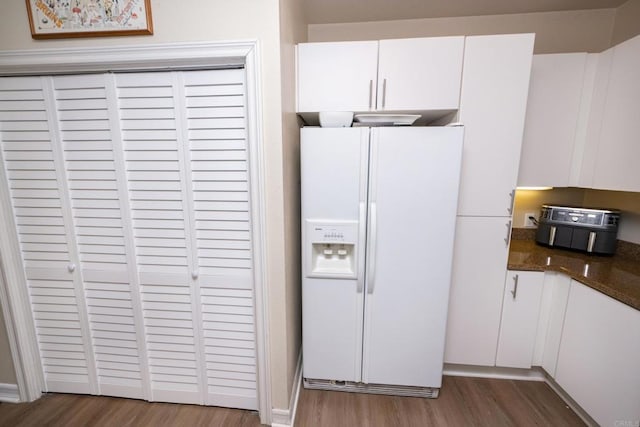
{"type": "Point", "coordinates": [495, 85]}
{"type": "Point", "coordinates": [337, 76]}
{"type": "Point", "coordinates": [616, 164]}
{"type": "Point", "coordinates": [420, 74]}
{"type": "Point", "coordinates": [553, 109]}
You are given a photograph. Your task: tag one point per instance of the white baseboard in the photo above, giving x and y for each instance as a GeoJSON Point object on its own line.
{"type": "Point", "coordinates": [534, 374]}
{"type": "Point", "coordinates": [287, 417]}
{"type": "Point", "coordinates": [9, 393]}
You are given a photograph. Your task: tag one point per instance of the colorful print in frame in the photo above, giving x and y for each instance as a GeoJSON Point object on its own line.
{"type": "Point", "coordinates": [89, 18]}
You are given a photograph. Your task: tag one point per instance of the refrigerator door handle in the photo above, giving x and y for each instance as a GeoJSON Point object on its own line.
{"type": "Point", "coordinates": [371, 259]}
{"type": "Point", "coordinates": [362, 230]}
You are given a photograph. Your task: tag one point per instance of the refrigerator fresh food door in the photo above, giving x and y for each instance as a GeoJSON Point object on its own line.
{"type": "Point", "coordinates": [413, 194]}
{"type": "Point", "coordinates": [334, 192]}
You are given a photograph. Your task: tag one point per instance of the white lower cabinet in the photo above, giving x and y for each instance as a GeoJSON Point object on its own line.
{"type": "Point", "coordinates": [599, 359]}
{"type": "Point", "coordinates": [552, 310]}
{"type": "Point", "coordinates": [479, 265]}
{"type": "Point", "coordinates": [520, 310]}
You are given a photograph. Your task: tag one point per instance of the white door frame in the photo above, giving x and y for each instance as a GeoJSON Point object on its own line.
{"type": "Point", "coordinates": [201, 55]}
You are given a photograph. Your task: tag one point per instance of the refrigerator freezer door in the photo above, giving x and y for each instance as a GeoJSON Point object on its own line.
{"type": "Point", "coordinates": [334, 173]}
{"type": "Point", "coordinates": [413, 194]}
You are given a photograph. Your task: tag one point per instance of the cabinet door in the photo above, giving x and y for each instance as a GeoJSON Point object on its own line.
{"type": "Point", "coordinates": [479, 267]}
{"type": "Point", "coordinates": [616, 166]}
{"type": "Point", "coordinates": [553, 106]}
{"type": "Point", "coordinates": [552, 310]}
{"type": "Point", "coordinates": [413, 191]}
{"type": "Point", "coordinates": [520, 310]}
{"type": "Point", "coordinates": [495, 84]}
{"type": "Point", "coordinates": [337, 76]}
{"type": "Point", "coordinates": [420, 74]}
{"type": "Point", "coordinates": [599, 353]}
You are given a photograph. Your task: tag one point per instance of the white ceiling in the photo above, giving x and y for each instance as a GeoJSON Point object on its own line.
{"type": "Point", "coordinates": [334, 11]}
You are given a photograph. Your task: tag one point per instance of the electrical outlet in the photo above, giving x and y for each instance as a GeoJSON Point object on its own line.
{"type": "Point", "coordinates": [528, 223]}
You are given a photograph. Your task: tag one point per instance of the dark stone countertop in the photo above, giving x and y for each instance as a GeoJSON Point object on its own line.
{"type": "Point", "coordinates": [616, 276]}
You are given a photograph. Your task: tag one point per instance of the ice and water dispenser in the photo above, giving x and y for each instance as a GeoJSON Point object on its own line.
{"type": "Point", "coordinates": [332, 249]}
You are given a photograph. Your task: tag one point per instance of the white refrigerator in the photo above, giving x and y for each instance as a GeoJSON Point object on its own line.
{"type": "Point", "coordinates": [378, 222]}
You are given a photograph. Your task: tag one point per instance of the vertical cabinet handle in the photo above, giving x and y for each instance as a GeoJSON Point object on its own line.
{"type": "Point", "coordinates": [370, 94]}
{"type": "Point", "coordinates": [514, 291]}
{"type": "Point", "coordinates": [372, 253]}
{"type": "Point", "coordinates": [384, 93]}
{"type": "Point", "coordinates": [71, 267]}
{"type": "Point", "coordinates": [512, 197]}
{"type": "Point", "coordinates": [507, 239]}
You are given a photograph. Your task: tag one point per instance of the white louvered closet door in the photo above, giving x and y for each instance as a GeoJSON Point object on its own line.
{"type": "Point", "coordinates": [33, 166]}
{"type": "Point", "coordinates": [89, 140]}
{"type": "Point", "coordinates": [185, 147]}
{"type": "Point", "coordinates": [217, 149]}
{"type": "Point", "coordinates": [150, 123]}
{"type": "Point", "coordinates": [131, 198]}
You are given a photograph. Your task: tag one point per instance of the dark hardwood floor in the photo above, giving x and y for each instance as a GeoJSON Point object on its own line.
{"type": "Point", "coordinates": [462, 402]}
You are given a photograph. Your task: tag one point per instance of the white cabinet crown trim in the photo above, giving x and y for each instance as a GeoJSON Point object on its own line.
{"type": "Point", "coordinates": [175, 56]}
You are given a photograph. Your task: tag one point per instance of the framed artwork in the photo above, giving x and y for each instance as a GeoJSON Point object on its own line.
{"type": "Point", "coordinates": [50, 19]}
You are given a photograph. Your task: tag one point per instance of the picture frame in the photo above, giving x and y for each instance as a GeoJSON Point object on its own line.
{"type": "Point", "coordinates": [52, 19]}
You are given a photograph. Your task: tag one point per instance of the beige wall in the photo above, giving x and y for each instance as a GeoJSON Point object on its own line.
{"type": "Point", "coordinates": [627, 22]}
{"type": "Point", "coordinates": [293, 29]}
{"type": "Point", "coordinates": [197, 20]}
{"type": "Point", "coordinates": [577, 31]}
{"type": "Point", "coordinates": [530, 201]}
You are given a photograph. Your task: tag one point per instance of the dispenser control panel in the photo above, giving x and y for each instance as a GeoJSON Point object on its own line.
{"type": "Point", "coordinates": [331, 249]}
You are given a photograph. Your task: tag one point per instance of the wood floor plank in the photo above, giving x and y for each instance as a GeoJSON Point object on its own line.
{"type": "Point", "coordinates": [477, 402]}
{"type": "Point", "coordinates": [463, 402]}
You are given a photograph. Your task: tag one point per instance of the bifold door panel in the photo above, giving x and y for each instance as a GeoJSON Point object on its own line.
{"type": "Point", "coordinates": [131, 200]}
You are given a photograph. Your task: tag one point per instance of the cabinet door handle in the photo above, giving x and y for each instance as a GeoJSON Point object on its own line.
{"type": "Point", "coordinates": [507, 239]}
{"type": "Point", "coordinates": [370, 94]}
{"type": "Point", "coordinates": [514, 291]}
{"type": "Point", "coordinates": [384, 93]}
{"type": "Point", "coordinates": [71, 267]}
{"type": "Point", "coordinates": [512, 197]}
{"type": "Point", "coordinates": [194, 274]}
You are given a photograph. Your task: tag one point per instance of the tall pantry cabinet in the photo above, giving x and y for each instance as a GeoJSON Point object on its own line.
{"type": "Point", "coordinates": [130, 200]}
{"type": "Point", "coordinates": [495, 85]}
